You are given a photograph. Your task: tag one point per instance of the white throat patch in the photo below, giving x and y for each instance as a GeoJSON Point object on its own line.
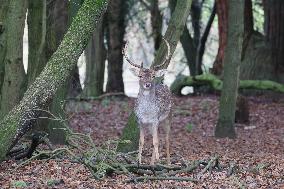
{"type": "Point", "coordinates": [146, 92]}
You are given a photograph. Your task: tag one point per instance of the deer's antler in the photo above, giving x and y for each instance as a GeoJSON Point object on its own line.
{"type": "Point", "coordinates": [167, 57]}
{"type": "Point", "coordinates": [128, 60]}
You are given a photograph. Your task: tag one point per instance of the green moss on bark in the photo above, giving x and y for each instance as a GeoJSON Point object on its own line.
{"type": "Point", "coordinates": [54, 75]}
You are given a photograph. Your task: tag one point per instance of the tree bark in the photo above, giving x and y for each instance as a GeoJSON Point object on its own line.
{"type": "Point", "coordinates": [74, 86]}
{"type": "Point", "coordinates": [156, 23]}
{"type": "Point", "coordinates": [13, 81]}
{"type": "Point", "coordinates": [222, 12]}
{"type": "Point", "coordinates": [274, 34]}
{"type": "Point", "coordinates": [37, 28]}
{"type": "Point", "coordinates": [233, 58]}
{"type": "Point", "coordinates": [203, 39]}
{"type": "Point", "coordinates": [187, 43]}
{"type": "Point", "coordinates": [95, 63]}
{"type": "Point", "coordinates": [172, 35]}
{"type": "Point", "coordinates": [57, 18]}
{"type": "Point", "coordinates": [3, 47]}
{"type": "Point", "coordinates": [115, 34]}
{"type": "Point", "coordinates": [54, 75]}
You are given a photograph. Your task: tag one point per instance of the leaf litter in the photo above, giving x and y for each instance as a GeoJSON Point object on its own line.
{"type": "Point", "coordinates": [255, 159]}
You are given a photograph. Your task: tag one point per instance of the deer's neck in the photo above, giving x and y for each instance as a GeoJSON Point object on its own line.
{"type": "Point", "coordinates": [147, 94]}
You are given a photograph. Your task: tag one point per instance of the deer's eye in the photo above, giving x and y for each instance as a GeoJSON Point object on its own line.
{"type": "Point", "coordinates": [139, 76]}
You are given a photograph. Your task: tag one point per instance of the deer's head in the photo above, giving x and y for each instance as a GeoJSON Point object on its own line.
{"type": "Point", "coordinates": [147, 75]}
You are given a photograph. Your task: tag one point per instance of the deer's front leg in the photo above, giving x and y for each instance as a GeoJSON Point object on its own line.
{"type": "Point", "coordinates": [155, 155]}
{"type": "Point", "coordinates": [141, 144]}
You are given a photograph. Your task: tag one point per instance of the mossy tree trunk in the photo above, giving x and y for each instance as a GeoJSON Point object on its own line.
{"type": "Point", "coordinates": [95, 63]}
{"type": "Point", "coordinates": [13, 80]}
{"type": "Point", "coordinates": [172, 35]}
{"type": "Point", "coordinates": [47, 23]}
{"type": "Point", "coordinates": [115, 33]}
{"type": "Point", "coordinates": [233, 58]}
{"type": "Point", "coordinates": [3, 13]}
{"type": "Point", "coordinates": [217, 84]}
{"type": "Point", "coordinates": [54, 75]}
{"type": "Point", "coordinates": [57, 18]}
{"type": "Point", "coordinates": [74, 86]}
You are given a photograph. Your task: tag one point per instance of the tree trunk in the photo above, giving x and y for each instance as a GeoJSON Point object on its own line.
{"type": "Point", "coordinates": [95, 63]}
{"type": "Point", "coordinates": [233, 54]}
{"type": "Point", "coordinates": [172, 35]}
{"type": "Point", "coordinates": [222, 12]}
{"type": "Point", "coordinates": [54, 75]}
{"type": "Point", "coordinates": [57, 26]}
{"type": "Point", "coordinates": [3, 46]}
{"type": "Point", "coordinates": [115, 34]}
{"type": "Point", "coordinates": [203, 39]}
{"type": "Point", "coordinates": [195, 20]}
{"type": "Point", "coordinates": [274, 33]}
{"type": "Point", "coordinates": [74, 86]}
{"type": "Point", "coordinates": [13, 81]}
{"type": "Point", "coordinates": [187, 43]}
{"type": "Point", "coordinates": [37, 28]}
{"type": "Point", "coordinates": [156, 23]}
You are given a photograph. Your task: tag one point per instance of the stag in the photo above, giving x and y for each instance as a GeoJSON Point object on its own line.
{"type": "Point", "coordinates": [153, 104]}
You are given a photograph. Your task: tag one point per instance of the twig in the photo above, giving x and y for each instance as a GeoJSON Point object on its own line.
{"type": "Point", "coordinates": [185, 170]}
{"type": "Point", "coordinates": [208, 166]}
{"type": "Point", "coordinates": [146, 178]}
{"type": "Point", "coordinates": [231, 169]}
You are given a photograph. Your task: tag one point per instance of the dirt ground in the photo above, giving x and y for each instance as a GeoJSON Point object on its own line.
{"type": "Point", "coordinates": [257, 154]}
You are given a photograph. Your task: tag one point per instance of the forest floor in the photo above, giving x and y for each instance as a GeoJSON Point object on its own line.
{"type": "Point", "coordinates": [257, 154]}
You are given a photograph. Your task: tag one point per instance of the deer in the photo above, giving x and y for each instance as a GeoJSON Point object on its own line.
{"type": "Point", "coordinates": [153, 104]}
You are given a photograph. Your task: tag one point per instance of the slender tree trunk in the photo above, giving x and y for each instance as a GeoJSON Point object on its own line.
{"type": "Point", "coordinates": [195, 20]}
{"type": "Point", "coordinates": [233, 54]}
{"type": "Point", "coordinates": [203, 39]}
{"type": "Point", "coordinates": [95, 63]}
{"type": "Point", "coordinates": [115, 34]}
{"type": "Point", "coordinates": [37, 38]}
{"type": "Point", "coordinates": [54, 75]}
{"type": "Point", "coordinates": [187, 43]}
{"type": "Point", "coordinates": [3, 47]}
{"type": "Point", "coordinates": [13, 81]}
{"type": "Point", "coordinates": [222, 12]}
{"type": "Point", "coordinates": [172, 35]}
{"type": "Point", "coordinates": [156, 22]}
{"type": "Point", "coordinates": [74, 86]}
{"type": "Point", "coordinates": [57, 26]}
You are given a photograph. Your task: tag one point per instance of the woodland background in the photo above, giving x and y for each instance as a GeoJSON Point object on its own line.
{"type": "Point", "coordinates": [73, 117]}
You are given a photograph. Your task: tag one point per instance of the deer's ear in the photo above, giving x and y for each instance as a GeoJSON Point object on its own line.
{"type": "Point", "coordinates": [135, 71]}
{"type": "Point", "coordinates": [160, 73]}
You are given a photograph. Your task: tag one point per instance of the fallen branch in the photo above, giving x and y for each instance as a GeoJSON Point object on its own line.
{"type": "Point", "coordinates": [211, 164]}
{"type": "Point", "coordinates": [146, 178]}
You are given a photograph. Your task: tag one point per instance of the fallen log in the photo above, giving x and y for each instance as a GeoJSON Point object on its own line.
{"type": "Point", "coordinates": [215, 83]}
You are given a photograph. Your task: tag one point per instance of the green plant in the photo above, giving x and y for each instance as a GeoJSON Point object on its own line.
{"type": "Point", "coordinates": [19, 184]}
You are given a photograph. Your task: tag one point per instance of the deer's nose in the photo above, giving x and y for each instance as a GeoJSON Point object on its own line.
{"type": "Point", "coordinates": [147, 85]}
